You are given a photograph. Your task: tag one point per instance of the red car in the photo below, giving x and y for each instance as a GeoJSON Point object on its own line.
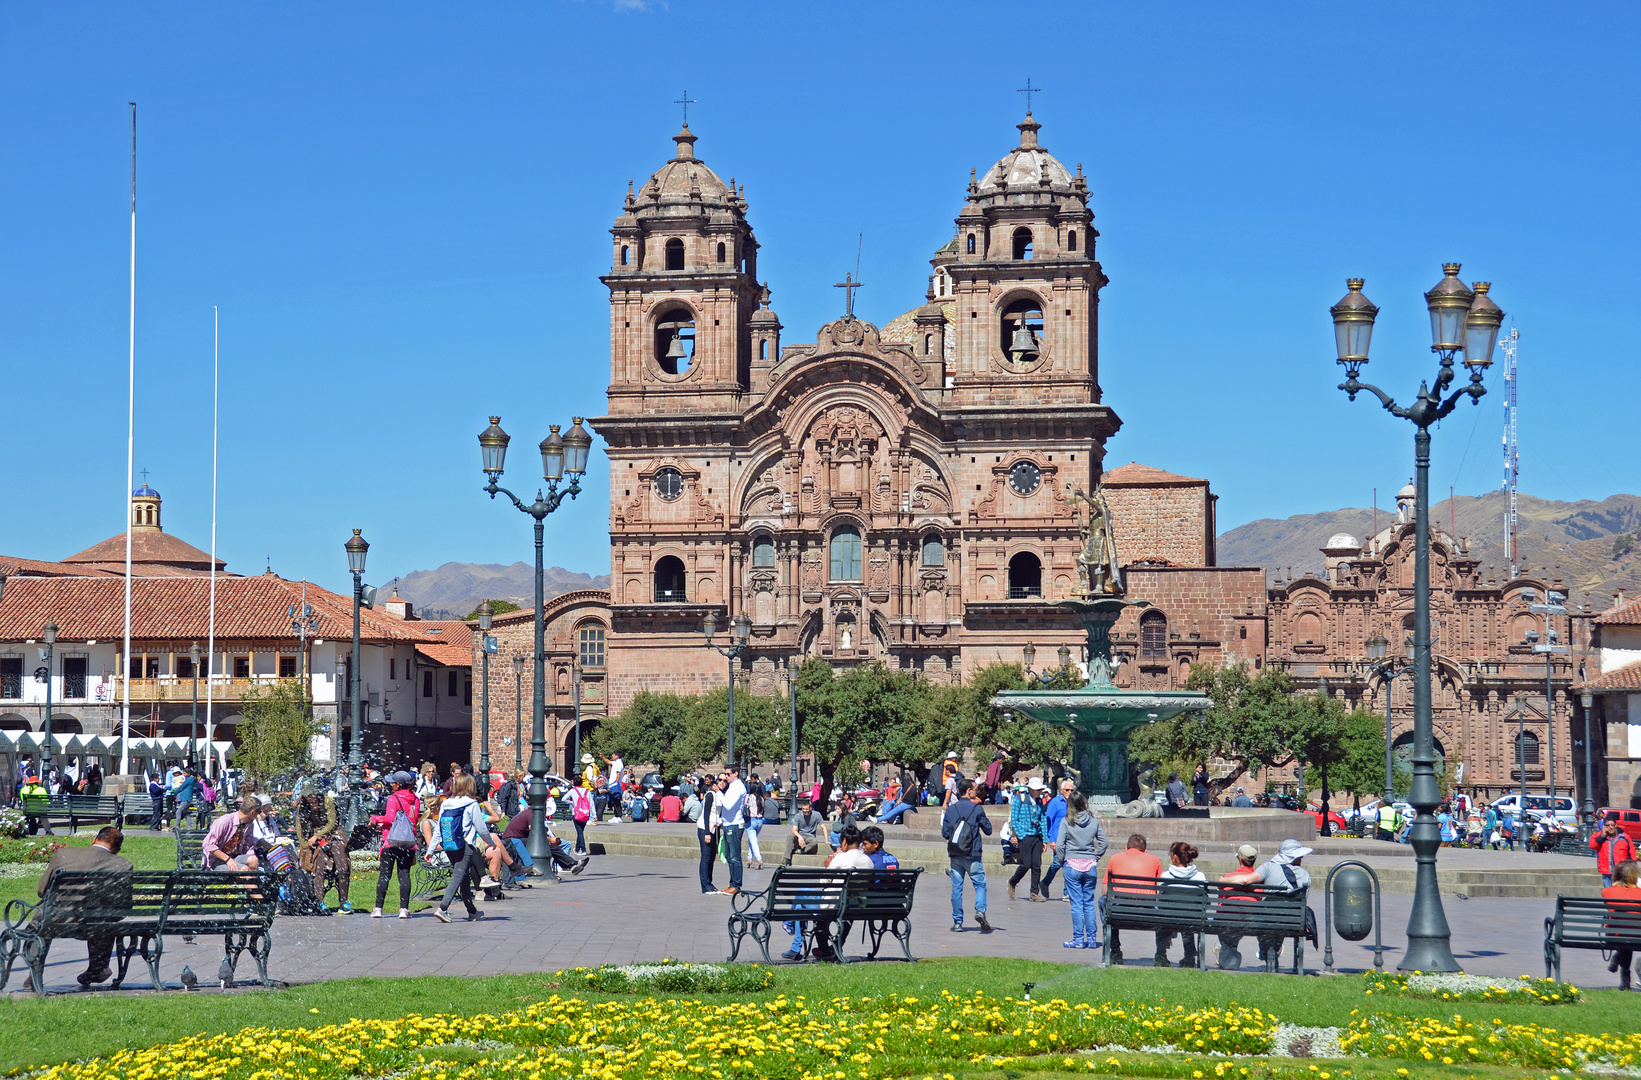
{"type": "Point", "coordinates": [1629, 821]}
{"type": "Point", "coordinates": [1337, 822]}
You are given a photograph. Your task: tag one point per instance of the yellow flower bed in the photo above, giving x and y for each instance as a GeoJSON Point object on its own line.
{"type": "Point", "coordinates": [784, 1039]}
{"type": "Point", "coordinates": [1494, 1042]}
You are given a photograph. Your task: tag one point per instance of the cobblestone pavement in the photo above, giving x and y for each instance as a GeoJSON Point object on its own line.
{"type": "Point", "coordinates": [625, 909]}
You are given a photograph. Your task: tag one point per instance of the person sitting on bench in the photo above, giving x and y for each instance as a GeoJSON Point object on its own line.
{"type": "Point", "coordinates": [104, 855]}
{"type": "Point", "coordinates": [229, 843]}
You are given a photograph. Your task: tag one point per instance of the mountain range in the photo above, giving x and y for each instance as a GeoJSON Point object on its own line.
{"type": "Point", "coordinates": [455, 589]}
{"type": "Point", "coordinates": [1594, 546]}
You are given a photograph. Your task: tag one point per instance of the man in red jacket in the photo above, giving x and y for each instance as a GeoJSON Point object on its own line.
{"type": "Point", "coordinates": [1611, 847]}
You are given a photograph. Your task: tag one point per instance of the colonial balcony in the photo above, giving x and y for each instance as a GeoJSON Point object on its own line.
{"type": "Point", "coordinates": [180, 690]}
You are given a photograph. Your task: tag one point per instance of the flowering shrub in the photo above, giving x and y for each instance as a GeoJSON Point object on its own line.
{"type": "Point", "coordinates": [1461, 987]}
{"type": "Point", "coordinates": [28, 851]}
{"type": "Point", "coordinates": [669, 977]}
{"type": "Point", "coordinates": [1492, 1042]}
{"type": "Point", "coordinates": [12, 822]}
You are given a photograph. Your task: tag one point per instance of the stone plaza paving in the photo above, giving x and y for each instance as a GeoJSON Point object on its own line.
{"type": "Point", "coordinates": [626, 909]}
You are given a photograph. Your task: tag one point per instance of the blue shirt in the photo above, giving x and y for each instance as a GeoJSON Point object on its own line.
{"type": "Point", "coordinates": [1055, 813]}
{"type": "Point", "coordinates": [1026, 817]}
{"type": "Point", "coordinates": [884, 861]}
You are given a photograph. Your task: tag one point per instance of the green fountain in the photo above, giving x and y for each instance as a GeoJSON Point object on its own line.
{"type": "Point", "coordinates": [1101, 715]}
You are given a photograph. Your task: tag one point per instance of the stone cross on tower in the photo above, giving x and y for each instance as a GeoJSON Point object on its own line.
{"type": "Point", "coordinates": [848, 285]}
{"type": "Point", "coordinates": [686, 101]}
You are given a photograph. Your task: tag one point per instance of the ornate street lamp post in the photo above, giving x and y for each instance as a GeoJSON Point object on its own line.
{"type": "Point", "coordinates": [193, 718]}
{"type": "Point", "coordinates": [1554, 605]}
{"type": "Point", "coordinates": [356, 549]}
{"type": "Point", "coordinates": [560, 454]}
{"type": "Point", "coordinates": [1587, 829]}
{"type": "Point", "coordinates": [792, 665]}
{"type": "Point", "coordinates": [1377, 645]}
{"type": "Point", "coordinates": [741, 634]}
{"type": "Point", "coordinates": [518, 716]}
{"type": "Point", "coordinates": [1461, 320]}
{"type": "Point", "coordinates": [487, 645]}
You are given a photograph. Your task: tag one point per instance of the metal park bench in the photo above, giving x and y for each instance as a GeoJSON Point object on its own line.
{"type": "Point", "coordinates": [807, 896]}
{"type": "Point", "coordinates": [1158, 904]}
{"type": "Point", "coordinates": [138, 910]}
{"type": "Point", "coordinates": [1260, 911]}
{"type": "Point", "coordinates": [1589, 922]}
{"type": "Point", "coordinates": [190, 849]}
{"type": "Point", "coordinates": [1203, 908]}
{"type": "Point", "coordinates": [880, 900]}
{"type": "Point", "coordinates": [89, 809]}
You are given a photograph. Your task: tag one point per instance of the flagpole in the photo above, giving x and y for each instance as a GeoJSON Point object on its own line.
{"type": "Point", "coordinates": [130, 460]}
{"type": "Point", "coordinates": [216, 361]}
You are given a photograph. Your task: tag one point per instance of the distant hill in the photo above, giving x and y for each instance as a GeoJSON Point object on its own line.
{"type": "Point", "coordinates": [455, 589]}
{"type": "Point", "coordinates": [1596, 546]}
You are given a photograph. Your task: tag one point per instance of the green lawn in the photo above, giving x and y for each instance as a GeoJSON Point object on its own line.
{"type": "Point", "coordinates": [78, 1026]}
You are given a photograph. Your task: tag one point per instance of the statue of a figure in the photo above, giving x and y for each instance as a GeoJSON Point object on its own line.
{"type": "Point", "coordinates": [1146, 806]}
{"type": "Point", "coordinates": [1098, 573]}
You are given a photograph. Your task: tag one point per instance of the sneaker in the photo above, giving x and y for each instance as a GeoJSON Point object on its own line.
{"type": "Point", "coordinates": [1011, 891]}
{"type": "Point", "coordinates": [376, 913]}
{"type": "Point", "coordinates": [488, 882]}
{"type": "Point", "coordinates": [957, 928]}
{"type": "Point", "coordinates": [731, 891]}
{"type": "Point", "coordinates": [1090, 943]}
{"type": "Point", "coordinates": [534, 871]}
{"type": "Point", "coordinates": [441, 914]}
{"type": "Point", "coordinates": [791, 954]}
{"type": "Point", "coordinates": [346, 908]}
{"type": "Point", "coordinates": [475, 915]}
{"type": "Point", "coordinates": [980, 917]}
{"type": "Point", "coordinates": [404, 913]}
{"type": "Point", "coordinates": [1074, 945]}
{"type": "Point", "coordinates": [582, 865]}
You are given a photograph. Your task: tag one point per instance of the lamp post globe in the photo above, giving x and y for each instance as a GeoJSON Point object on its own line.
{"type": "Point", "coordinates": [1450, 303]}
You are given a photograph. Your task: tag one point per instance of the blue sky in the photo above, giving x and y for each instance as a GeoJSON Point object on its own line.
{"type": "Point", "coordinates": [402, 211]}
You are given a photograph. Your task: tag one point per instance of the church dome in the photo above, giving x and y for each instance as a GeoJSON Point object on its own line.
{"type": "Point", "coordinates": [1343, 540]}
{"type": "Point", "coordinates": [1409, 492]}
{"type": "Point", "coordinates": [1026, 167]}
{"type": "Point", "coordinates": [145, 492]}
{"type": "Point", "coordinates": [685, 186]}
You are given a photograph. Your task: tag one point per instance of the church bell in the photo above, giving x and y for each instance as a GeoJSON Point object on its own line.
{"type": "Point", "coordinates": [1023, 343]}
{"type": "Point", "coordinates": [675, 347]}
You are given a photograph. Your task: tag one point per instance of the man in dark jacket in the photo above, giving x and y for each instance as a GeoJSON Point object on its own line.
{"type": "Point", "coordinates": [507, 796]}
{"type": "Point", "coordinates": [962, 824]}
{"type": "Point", "coordinates": [103, 855]}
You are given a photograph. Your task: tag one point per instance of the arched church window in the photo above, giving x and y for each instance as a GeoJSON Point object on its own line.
{"type": "Point", "coordinates": [763, 350]}
{"type": "Point", "coordinates": [1153, 634]}
{"type": "Point", "coordinates": [928, 343]}
{"type": "Point", "coordinates": [669, 580]}
{"type": "Point", "coordinates": [1526, 749]}
{"type": "Point", "coordinates": [846, 554]}
{"type": "Point", "coordinates": [934, 550]}
{"type": "Point", "coordinates": [1020, 330]}
{"type": "Point", "coordinates": [623, 254]}
{"type": "Point", "coordinates": [1025, 577]}
{"type": "Point", "coordinates": [721, 253]}
{"type": "Point", "coordinates": [1022, 243]}
{"type": "Point", "coordinates": [971, 243]}
{"type": "Point", "coordinates": [590, 644]}
{"type": "Point", "coordinates": [675, 254]}
{"type": "Point", "coordinates": [763, 550]}
{"type": "Point", "coordinates": [675, 341]}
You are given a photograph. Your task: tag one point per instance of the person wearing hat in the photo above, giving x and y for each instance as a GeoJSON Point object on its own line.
{"type": "Point", "coordinates": [1230, 954]}
{"type": "Point", "coordinates": [400, 853]}
{"type": "Point", "coordinates": [1241, 799]}
{"type": "Point", "coordinates": [32, 788]}
{"type": "Point", "coordinates": [589, 780]}
{"type": "Point", "coordinates": [1283, 873]}
{"type": "Point", "coordinates": [1027, 819]}
{"type": "Point", "coordinates": [948, 778]}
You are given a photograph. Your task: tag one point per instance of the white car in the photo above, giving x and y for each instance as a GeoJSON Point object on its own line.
{"type": "Point", "coordinates": [1565, 810]}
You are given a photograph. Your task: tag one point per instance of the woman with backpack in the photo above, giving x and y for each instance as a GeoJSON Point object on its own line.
{"type": "Point", "coordinates": [581, 811]}
{"type": "Point", "coordinates": [464, 837]}
{"type": "Point", "coordinates": [398, 821]}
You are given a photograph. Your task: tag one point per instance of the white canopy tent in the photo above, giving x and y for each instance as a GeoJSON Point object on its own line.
{"type": "Point", "coordinates": [14, 745]}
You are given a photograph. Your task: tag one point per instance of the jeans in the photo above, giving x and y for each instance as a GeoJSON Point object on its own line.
{"type": "Point", "coordinates": [183, 810]}
{"type": "Point", "coordinates": [892, 812]}
{"type": "Point", "coordinates": [461, 878]}
{"type": "Point", "coordinates": [732, 853]}
{"type": "Point", "coordinates": [753, 827]}
{"type": "Point", "coordinates": [975, 870]}
{"type": "Point", "coordinates": [157, 818]}
{"type": "Point", "coordinates": [1031, 859]}
{"type": "Point", "coordinates": [521, 853]}
{"type": "Point", "coordinates": [581, 836]}
{"type": "Point", "coordinates": [403, 858]}
{"type": "Point", "coordinates": [1081, 887]}
{"type": "Point", "coordinates": [1054, 867]}
{"type": "Point", "coordinates": [1606, 881]}
{"type": "Point", "coordinates": [709, 855]}
{"type": "Point", "coordinates": [800, 845]}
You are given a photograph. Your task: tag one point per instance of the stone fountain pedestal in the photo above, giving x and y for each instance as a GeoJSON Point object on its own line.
{"type": "Point", "coordinates": [1101, 715]}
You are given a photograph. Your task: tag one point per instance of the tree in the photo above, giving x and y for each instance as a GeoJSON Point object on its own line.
{"type": "Point", "coordinates": [276, 736]}
{"type": "Point", "coordinates": [844, 718]}
{"type": "Point", "coordinates": [650, 729]}
{"type": "Point", "coordinates": [761, 727]}
{"type": "Point", "coordinates": [1317, 738]}
{"type": "Point", "coordinates": [966, 720]}
{"type": "Point", "coordinates": [1361, 767]}
{"type": "Point", "coordinates": [1252, 725]}
{"type": "Point", "coordinates": [497, 607]}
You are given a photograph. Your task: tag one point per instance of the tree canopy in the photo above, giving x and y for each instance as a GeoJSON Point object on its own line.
{"type": "Point", "coordinates": [276, 736]}
{"type": "Point", "coordinates": [497, 607]}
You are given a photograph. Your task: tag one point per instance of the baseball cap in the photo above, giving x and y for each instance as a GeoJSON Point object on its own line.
{"type": "Point", "coordinates": [1247, 851]}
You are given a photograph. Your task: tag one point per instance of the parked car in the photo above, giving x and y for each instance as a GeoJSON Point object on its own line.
{"type": "Point", "coordinates": [1333, 816]}
{"type": "Point", "coordinates": [1629, 821]}
{"type": "Point", "coordinates": [653, 785]}
{"type": "Point", "coordinates": [1565, 809]}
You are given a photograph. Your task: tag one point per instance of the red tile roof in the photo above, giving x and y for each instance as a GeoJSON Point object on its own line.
{"type": "Point", "coordinates": [1625, 614]}
{"type": "Point", "coordinates": [178, 608]}
{"type": "Point", "coordinates": [1135, 474]}
{"type": "Point", "coordinates": [1627, 677]}
{"type": "Point", "coordinates": [11, 565]}
{"type": "Point", "coordinates": [452, 641]}
{"type": "Point", "coordinates": [147, 546]}
{"type": "Point", "coordinates": [446, 655]}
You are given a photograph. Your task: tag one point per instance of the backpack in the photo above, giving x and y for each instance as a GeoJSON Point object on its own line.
{"type": "Point", "coordinates": [402, 833]}
{"type": "Point", "coordinates": [580, 805]}
{"type": "Point", "coordinates": [208, 791]}
{"type": "Point", "coordinates": [452, 830]}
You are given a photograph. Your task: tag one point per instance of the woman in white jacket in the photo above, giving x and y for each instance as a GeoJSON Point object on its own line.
{"type": "Point", "coordinates": [1182, 867]}
{"type": "Point", "coordinates": [475, 841]}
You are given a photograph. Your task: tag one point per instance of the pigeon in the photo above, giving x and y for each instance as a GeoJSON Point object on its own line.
{"type": "Point", "coordinates": [225, 974]}
{"type": "Point", "coordinates": [189, 979]}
